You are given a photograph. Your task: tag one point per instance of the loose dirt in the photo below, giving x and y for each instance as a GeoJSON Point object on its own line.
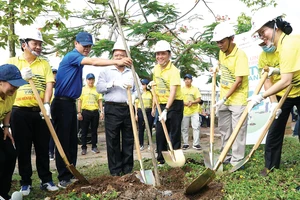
{"type": "Point", "coordinates": [129, 187]}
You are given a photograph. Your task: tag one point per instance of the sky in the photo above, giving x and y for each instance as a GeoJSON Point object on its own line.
{"type": "Point", "coordinates": [232, 8]}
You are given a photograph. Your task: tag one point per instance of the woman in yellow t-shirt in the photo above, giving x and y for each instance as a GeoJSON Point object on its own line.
{"type": "Point", "coordinates": [147, 100]}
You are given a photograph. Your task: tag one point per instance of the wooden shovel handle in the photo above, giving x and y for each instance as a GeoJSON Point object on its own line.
{"type": "Point", "coordinates": [49, 123]}
{"type": "Point", "coordinates": [239, 124]}
{"type": "Point", "coordinates": [212, 109]}
{"type": "Point", "coordinates": [162, 121]}
{"type": "Point", "coordinates": [270, 121]}
{"type": "Point", "coordinates": [134, 127]}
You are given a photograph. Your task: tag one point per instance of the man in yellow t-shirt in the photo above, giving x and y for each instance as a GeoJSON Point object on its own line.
{"type": "Point", "coordinates": [233, 90]}
{"type": "Point", "coordinates": [26, 122]}
{"type": "Point", "coordinates": [281, 54]}
{"type": "Point", "coordinates": [191, 98]}
{"type": "Point", "coordinates": [168, 91]}
{"type": "Point", "coordinates": [10, 81]}
{"type": "Point", "coordinates": [89, 106]}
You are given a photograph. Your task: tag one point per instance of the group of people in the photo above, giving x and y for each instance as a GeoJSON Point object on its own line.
{"type": "Point", "coordinates": [20, 110]}
{"type": "Point", "coordinates": [281, 55]}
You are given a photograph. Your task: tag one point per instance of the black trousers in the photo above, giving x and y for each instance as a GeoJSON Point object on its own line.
{"type": "Point", "coordinates": [118, 127]}
{"type": "Point", "coordinates": [174, 118]}
{"type": "Point", "coordinates": [65, 123]}
{"type": "Point", "coordinates": [28, 127]}
{"type": "Point", "coordinates": [141, 123]}
{"type": "Point", "coordinates": [89, 118]}
{"type": "Point", "coordinates": [8, 157]}
{"type": "Point", "coordinates": [275, 135]}
{"type": "Point", "coordinates": [51, 143]}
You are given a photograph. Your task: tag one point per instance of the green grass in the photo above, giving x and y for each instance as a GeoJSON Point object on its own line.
{"type": "Point", "coordinates": [242, 184]}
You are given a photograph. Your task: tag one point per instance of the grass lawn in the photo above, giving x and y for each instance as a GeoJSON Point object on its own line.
{"type": "Point", "coordinates": [242, 184]}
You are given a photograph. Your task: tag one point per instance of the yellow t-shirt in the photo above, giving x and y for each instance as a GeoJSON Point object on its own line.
{"type": "Point", "coordinates": [164, 79]}
{"type": "Point", "coordinates": [190, 94]}
{"type": "Point", "coordinates": [42, 74]}
{"type": "Point", "coordinates": [289, 58]}
{"type": "Point", "coordinates": [147, 100]}
{"type": "Point", "coordinates": [231, 66]}
{"type": "Point", "coordinates": [6, 105]}
{"type": "Point", "coordinates": [90, 98]}
{"type": "Point", "coordinates": [272, 60]}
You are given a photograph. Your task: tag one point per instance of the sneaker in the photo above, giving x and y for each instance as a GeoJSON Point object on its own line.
{"type": "Point", "coordinates": [17, 195]}
{"type": "Point", "coordinates": [73, 179]}
{"type": "Point", "coordinates": [49, 186]}
{"type": "Point", "coordinates": [64, 184]}
{"type": "Point", "coordinates": [185, 146]}
{"type": "Point", "coordinates": [149, 147]}
{"type": "Point", "coordinates": [83, 152]}
{"type": "Point", "coordinates": [142, 148]}
{"type": "Point", "coordinates": [95, 150]}
{"type": "Point", "coordinates": [198, 147]}
{"type": "Point", "coordinates": [51, 156]}
{"type": "Point", "coordinates": [25, 189]}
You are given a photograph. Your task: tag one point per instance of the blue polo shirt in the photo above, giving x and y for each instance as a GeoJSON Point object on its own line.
{"type": "Point", "coordinates": [69, 76]}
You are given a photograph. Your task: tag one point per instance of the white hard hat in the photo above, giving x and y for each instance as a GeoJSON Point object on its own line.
{"type": "Point", "coordinates": [221, 31]}
{"type": "Point", "coordinates": [162, 45]}
{"type": "Point", "coordinates": [263, 16]}
{"type": "Point", "coordinates": [119, 45]}
{"type": "Point", "coordinates": [32, 34]}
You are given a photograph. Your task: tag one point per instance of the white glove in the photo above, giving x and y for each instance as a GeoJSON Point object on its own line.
{"type": "Point", "coordinates": [254, 100]}
{"type": "Point", "coordinates": [219, 103]}
{"type": "Point", "coordinates": [272, 71]}
{"type": "Point", "coordinates": [47, 108]}
{"type": "Point", "coordinates": [273, 107]}
{"type": "Point", "coordinates": [109, 85]}
{"type": "Point", "coordinates": [123, 83]}
{"type": "Point", "coordinates": [163, 115]}
{"type": "Point", "coordinates": [26, 73]}
{"type": "Point", "coordinates": [120, 83]}
{"type": "Point", "coordinates": [149, 86]}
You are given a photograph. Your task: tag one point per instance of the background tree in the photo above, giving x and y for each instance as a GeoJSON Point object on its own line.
{"type": "Point", "coordinates": [25, 12]}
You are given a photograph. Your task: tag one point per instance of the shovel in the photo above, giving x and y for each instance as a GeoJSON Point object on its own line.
{"type": "Point", "coordinates": [209, 158]}
{"type": "Point", "coordinates": [264, 132]}
{"type": "Point", "coordinates": [70, 167]}
{"type": "Point", "coordinates": [209, 174]}
{"type": "Point", "coordinates": [136, 82]}
{"type": "Point", "coordinates": [174, 158]}
{"type": "Point", "coordinates": [146, 176]}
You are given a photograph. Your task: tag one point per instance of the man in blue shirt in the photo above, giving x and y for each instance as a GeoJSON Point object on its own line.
{"type": "Point", "coordinates": [68, 88]}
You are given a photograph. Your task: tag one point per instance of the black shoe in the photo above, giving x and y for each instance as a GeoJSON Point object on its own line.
{"type": "Point", "coordinates": [83, 152]}
{"type": "Point", "coordinates": [185, 146]}
{"type": "Point", "coordinates": [197, 147]}
{"type": "Point", "coordinates": [265, 172]}
{"type": "Point", "coordinates": [116, 174]}
{"type": "Point", "coordinates": [227, 161]}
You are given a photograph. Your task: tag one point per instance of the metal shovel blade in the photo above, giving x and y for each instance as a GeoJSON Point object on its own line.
{"type": "Point", "coordinates": [77, 174]}
{"type": "Point", "coordinates": [146, 176]}
{"type": "Point", "coordinates": [205, 178]}
{"type": "Point", "coordinates": [239, 164]}
{"type": "Point", "coordinates": [174, 158]}
{"type": "Point", "coordinates": [208, 157]}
